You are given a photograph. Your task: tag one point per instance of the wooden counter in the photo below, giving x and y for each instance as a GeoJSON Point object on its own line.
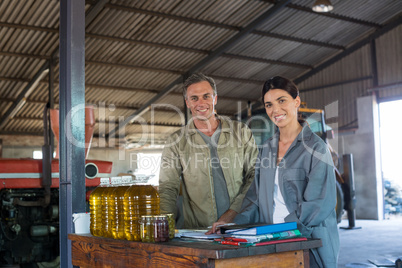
{"type": "Point", "coordinates": [90, 251]}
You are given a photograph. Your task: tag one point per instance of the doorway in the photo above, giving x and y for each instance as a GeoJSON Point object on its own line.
{"type": "Point", "coordinates": [391, 158]}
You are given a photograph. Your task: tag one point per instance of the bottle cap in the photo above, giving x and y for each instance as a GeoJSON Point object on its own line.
{"type": "Point", "coordinates": [104, 181]}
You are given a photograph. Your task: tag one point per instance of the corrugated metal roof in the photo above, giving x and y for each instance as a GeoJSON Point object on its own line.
{"type": "Point", "coordinates": [135, 49]}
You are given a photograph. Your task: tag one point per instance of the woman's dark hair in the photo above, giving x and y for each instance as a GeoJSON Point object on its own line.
{"type": "Point", "coordinates": [278, 82]}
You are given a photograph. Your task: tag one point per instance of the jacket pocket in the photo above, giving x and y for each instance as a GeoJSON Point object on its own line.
{"type": "Point", "coordinates": [294, 184]}
{"type": "Point", "coordinates": [192, 163]}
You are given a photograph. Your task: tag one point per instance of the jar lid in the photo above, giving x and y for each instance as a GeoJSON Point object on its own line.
{"type": "Point", "coordinates": [160, 217]}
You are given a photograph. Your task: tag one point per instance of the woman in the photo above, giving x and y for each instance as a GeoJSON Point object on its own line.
{"type": "Point", "coordinates": [294, 176]}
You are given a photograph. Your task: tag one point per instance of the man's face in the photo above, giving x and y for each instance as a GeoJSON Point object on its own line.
{"type": "Point", "coordinates": [201, 100]}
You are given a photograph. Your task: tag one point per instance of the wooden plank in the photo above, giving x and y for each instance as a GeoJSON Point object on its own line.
{"type": "Point", "coordinates": [105, 255]}
{"type": "Point", "coordinates": [313, 243]}
{"type": "Point", "coordinates": [91, 251]}
{"type": "Point", "coordinates": [277, 260]}
{"type": "Point", "coordinates": [306, 254]}
{"type": "Point", "coordinates": [203, 249]}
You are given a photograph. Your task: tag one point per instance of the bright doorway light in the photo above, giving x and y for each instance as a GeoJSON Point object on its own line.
{"type": "Point", "coordinates": [391, 142]}
{"type": "Point", "coordinates": [391, 160]}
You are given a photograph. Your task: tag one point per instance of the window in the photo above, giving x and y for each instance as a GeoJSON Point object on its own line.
{"type": "Point", "coordinates": [37, 154]}
{"type": "Point", "coordinates": [149, 165]}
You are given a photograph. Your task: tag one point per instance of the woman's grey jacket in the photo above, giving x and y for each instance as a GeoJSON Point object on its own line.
{"type": "Point", "coordinates": [307, 183]}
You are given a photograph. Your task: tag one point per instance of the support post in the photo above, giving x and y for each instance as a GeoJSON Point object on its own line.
{"type": "Point", "coordinates": [72, 120]}
{"type": "Point", "coordinates": [349, 190]}
{"type": "Point", "coordinates": [51, 103]}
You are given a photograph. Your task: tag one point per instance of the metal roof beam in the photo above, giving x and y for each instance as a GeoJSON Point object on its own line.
{"type": "Point", "coordinates": [235, 79]}
{"type": "Point", "coordinates": [391, 25]}
{"type": "Point", "coordinates": [334, 16]}
{"type": "Point", "coordinates": [328, 14]}
{"type": "Point", "coordinates": [235, 28]}
{"type": "Point", "coordinates": [299, 40]}
{"type": "Point", "coordinates": [337, 84]}
{"type": "Point", "coordinates": [145, 43]}
{"type": "Point", "coordinates": [154, 69]}
{"type": "Point", "coordinates": [21, 99]}
{"type": "Point", "coordinates": [135, 67]}
{"type": "Point", "coordinates": [24, 55]}
{"type": "Point", "coordinates": [29, 27]}
{"type": "Point", "coordinates": [31, 118]}
{"type": "Point", "coordinates": [267, 61]}
{"type": "Point", "coordinates": [226, 55]}
{"type": "Point", "coordinates": [186, 49]}
{"type": "Point", "coordinates": [122, 107]}
{"type": "Point", "coordinates": [213, 55]}
{"type": "Point", "coordinates": [92, 13]}
{"type": "Point", "coordinates": [213, 24]}
{"type": "Point", "coordinates": [151, 91]}
{"type": "Point", "coordinates": [173, 17]}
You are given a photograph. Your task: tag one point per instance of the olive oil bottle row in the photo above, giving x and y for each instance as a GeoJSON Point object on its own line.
{"type": "Point", "coordinates": [117, 205]}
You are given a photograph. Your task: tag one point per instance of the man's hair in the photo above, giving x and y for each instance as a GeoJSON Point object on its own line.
{"type": "Point", "coordinates": [196, 78]}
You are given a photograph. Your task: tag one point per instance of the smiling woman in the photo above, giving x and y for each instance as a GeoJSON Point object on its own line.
{"type": "Point", "coordinates": [300, 185]}
{"type": "Point", "coordinates": [281, 100]}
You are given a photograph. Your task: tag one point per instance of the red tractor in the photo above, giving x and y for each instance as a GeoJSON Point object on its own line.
{"type": "Point", "coordinates": [29, 203]}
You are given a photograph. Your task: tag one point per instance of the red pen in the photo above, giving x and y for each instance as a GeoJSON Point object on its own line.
{"type": "Point", "coordinates": [234, 239]}
{"type": "Point", "coordinates": [233, 243]}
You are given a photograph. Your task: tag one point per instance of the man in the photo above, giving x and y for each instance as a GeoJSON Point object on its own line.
{"type": "Point", "coordinates": [210, 161]}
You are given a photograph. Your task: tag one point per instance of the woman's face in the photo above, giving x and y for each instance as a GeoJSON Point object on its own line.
{"type": "Point", "coordinates": [281, 107]}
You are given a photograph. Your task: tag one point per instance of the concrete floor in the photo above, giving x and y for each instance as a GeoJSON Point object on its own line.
{"type": "Point", "coordinates": [376, 240]}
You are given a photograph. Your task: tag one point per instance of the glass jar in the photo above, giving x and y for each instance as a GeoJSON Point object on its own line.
{"type": "Point", "coordinates": [147, 232]}
{"type": "Point", "coordinates": [161, 228]}
{"type": "Point", "coordinates": [171, 221]}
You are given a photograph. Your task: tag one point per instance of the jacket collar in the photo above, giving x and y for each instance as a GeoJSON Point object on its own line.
{"type": "Point", "coordinates": [304, 135]}
{"type": "Point", "coordinates": [225, 125]}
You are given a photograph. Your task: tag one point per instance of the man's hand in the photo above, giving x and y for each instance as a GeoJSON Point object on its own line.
{"type": "Point", "coordinates": [215, 227]}
{"type": "Point", "coordinates": [227, 217]}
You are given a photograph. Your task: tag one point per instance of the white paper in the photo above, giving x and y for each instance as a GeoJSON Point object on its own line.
{"type": "Point", "coordinates": [198, 235]}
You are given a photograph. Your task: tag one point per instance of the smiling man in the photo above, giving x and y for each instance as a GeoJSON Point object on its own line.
{"type": "Point", "coordinates": [208, 165]}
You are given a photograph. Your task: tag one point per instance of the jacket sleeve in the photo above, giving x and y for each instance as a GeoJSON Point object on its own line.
{"type": "Point", "coordinates": [250, 206]}
{"type": "Point", "coordinates": [169, 177]}
{"type": "Point", "coordinates": [319, 196]}
{"type": "Point", "coordinates": [250, 151]}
